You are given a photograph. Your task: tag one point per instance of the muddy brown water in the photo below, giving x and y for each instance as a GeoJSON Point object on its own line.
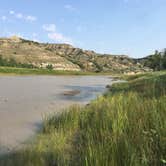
{"type": "Point", "coordinates": [24, 100]}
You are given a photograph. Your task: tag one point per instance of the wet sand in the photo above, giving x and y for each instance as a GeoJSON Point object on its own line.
{"type": "Point", "coordinates": [25, 100]}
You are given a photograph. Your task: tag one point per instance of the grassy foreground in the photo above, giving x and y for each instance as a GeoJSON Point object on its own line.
{"type": "Point", "coordinates": [125, 127]}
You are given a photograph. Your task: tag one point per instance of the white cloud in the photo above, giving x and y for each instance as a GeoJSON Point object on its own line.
{"type": "Point", "coordinates": [19, 15]}
{"type": "Point", "coordinates": [34, 34]}
{"type": "Point", "coordinates": [54, 35]}
{"type": "Point", "coordinates": [49, 27]}
{"type": "Point", "coordinates": [30, 18]}
{"type": "Point", "coordinates": [23, 16]}
{"type": "Point", "coordinates": [59, 37]}
{"type": "Point", "coordinates": [69, 7]}
{"type": "Point", "coordinates": [11, 12]}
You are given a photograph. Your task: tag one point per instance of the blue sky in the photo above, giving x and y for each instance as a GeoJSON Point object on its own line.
{"type": "Point", "coordinates": [132, 27]}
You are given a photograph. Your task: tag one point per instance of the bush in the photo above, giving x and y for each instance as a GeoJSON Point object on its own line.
{"type": "Point", "coordinates": [49, 67]}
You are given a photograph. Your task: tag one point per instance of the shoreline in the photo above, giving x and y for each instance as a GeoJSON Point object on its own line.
{"type": "Point", "coordinates": [27, 71]}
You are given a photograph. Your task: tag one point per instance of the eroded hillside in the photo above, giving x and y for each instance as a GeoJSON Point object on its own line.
{"type": "Point", "coordinates": [65, 57]}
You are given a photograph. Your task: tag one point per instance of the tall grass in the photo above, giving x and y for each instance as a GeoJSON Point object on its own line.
{"type": "Point", "coordinates": [126, 128]}
{"type": "Point", "coordinates": [123, 130]}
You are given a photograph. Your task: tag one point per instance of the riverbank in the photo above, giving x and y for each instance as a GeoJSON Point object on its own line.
{"type": "Point", "coordinates": [26, 71]}
{"type": "Point", "coordinates": [126, 126]}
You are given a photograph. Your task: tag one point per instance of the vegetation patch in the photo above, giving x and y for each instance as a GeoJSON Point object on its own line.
{"type": "Point", "coordinates": [13, 63]}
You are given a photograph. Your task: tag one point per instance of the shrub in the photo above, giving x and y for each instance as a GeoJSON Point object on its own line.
{"type": "Point", "coordinates": [49, 67]}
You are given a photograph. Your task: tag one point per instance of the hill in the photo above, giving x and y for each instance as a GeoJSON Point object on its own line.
{"type": "Point", "coordinates": [26, 53]}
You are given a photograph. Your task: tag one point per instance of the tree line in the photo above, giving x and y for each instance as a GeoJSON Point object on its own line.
{"type": "Point", "coordinates": [157, 61]}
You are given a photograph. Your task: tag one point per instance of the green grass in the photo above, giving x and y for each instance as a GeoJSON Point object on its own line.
{"type": "Point", "coordinates": [125, 127]}
{"type": "Point", "coordinates": [26, 71]}
{"type": "Point", "coordinates": [147, 85]}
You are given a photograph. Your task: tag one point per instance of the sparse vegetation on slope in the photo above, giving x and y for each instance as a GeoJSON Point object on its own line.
{"type": "Point", "coordinates": [127, 126]}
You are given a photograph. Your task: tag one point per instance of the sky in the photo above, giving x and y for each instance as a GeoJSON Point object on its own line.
{"type": "Point", "coordinates": [131, 27]}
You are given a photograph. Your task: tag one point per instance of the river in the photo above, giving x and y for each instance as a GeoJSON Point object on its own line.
{"type": "Point", "coordinates": [25, 100]}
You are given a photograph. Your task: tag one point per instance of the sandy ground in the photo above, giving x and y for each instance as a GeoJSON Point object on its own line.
{"type": "Point", "coordinates": [25, 100]}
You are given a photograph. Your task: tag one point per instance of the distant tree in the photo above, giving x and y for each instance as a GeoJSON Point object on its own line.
{"type": "Point", "coordinates": [157, 61]}
{"type": "Point", "coordinates": [156, 52]}
{"type": "Point", "coordinates": [49, 67]}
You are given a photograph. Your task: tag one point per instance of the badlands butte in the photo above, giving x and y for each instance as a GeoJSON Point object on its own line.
{"type": "Point", "coordinates": [65, 57]}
